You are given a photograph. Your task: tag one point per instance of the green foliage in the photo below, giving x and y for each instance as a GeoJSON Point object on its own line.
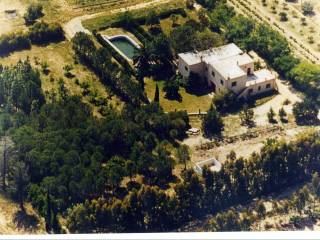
{"type": "Point", "coordinates": [20, 87]}
{"type": "Point", "coordinates": [247, 116]}
{"type": "Point", "coordinates": [212, 123]}
{"type": "Point", "coordinates": [190, 4]}
{"type": "Point", "coordinates": [316, 184]}
{"type": "Point", "coordinates": [261, 210]}
{"type": "Point", "coordinates": [43, 33]}
{"type": "Point", "coordinates": [171, 87]}
{"type": "Point", "coordinates": [18, 177]}
{"type": "Point", "coordinates": [152, 18]}
{"type": "Point", "coordinates": [225, 101]}
{"type": "Point", "coordinates": [210, 4]}
{"type": "Point", "coordinates": [271, 114]}
{"type": "Point", "coordinates": [220, 15]}
{"type": "Point", "coordinates": [226, 222]}
{"type": "Point", "coordinates": [279, 163]}
{"type": "Point", "coordinates": [34, 12]}
{"type": "Point", "coordinates": [183, 155]}
{"type": "Point", "coordinates": [13, 42]}
{"type": "Point", "coordinates": [282, 115]}
{"type": "Point", "coordinates": [307, 7]}
{"type": "Point", "coordinates": [99, 60]}
{"type": "Point", "coordinates": [180, 42]}
{"type": "Point", "coordinates": [208, 39]}
{"type": "Point", "coordinates": [306, 112]}
{"type": "Point", "coordinates": [157, 95]}
{"type": "Point", "coordinates": [283, 16]}
{"type": "Point", "coordinates": [306, 77]}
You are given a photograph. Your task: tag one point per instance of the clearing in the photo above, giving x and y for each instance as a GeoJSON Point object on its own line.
{"type": "Point", "coordinates": [58, 55]}
{"type": "Point", "coordinates": [11, 21]}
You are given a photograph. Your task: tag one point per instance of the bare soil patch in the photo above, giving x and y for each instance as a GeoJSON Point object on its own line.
{"type": "Point", "coordinates": [9, 22]}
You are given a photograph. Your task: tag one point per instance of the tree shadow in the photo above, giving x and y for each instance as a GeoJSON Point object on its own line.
{"type": "Point", "coordinates": [176, 97]}
{"type": "Point", "coordinates": [26, 221]}
{"type": "Point", "coordinates": [200, 90]}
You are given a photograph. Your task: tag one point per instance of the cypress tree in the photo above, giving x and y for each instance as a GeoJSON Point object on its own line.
{"type": "Point", "coordinates": [157, 95]}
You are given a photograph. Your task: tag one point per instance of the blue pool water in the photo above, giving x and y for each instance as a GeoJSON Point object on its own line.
{"type": "Point", "coordinates": [125, 46]}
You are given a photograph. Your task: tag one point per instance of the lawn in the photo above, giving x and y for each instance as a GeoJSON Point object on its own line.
{"type": "Point", "coordinates": [57, 56]}
{"type": "Point", "coordinates": [189, 102]}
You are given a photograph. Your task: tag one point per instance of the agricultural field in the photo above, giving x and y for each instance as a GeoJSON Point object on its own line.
{"type": "Point", "coordinates": [300, 29]}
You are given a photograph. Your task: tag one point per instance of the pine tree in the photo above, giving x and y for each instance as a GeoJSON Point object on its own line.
{"type": "Point", "coordinates": [282, 115]}
{"type": "Point", "coordinates": [271, 115]}
{"type": "Point", "coordinates": [212, 123]}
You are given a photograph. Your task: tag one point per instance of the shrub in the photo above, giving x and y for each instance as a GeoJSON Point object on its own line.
{"type": "Point", "coordinates": [306, 112]}
{"type": "Point", "coordinates": [13, 42]}
{"type": "Point", "coordinates": [307, 8]}
{"type": "Point", "coordinates": [225, 101]}
{"type": "Point", "coordinates": [212, 123]}
{"type": "Point", "coordinates": [282, 115]}
{"type": "Point", "coordinates": [283, 16]}
{"type": "Point", "coordinates": [271, 115]}
{"type": "Point", "coordinates": [43, 33]}
{"type": "Point", "coordinates": [34, 12]}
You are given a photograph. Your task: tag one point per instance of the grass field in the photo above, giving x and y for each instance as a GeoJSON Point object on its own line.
{"type": "Point", "coordinates": [57, 56]}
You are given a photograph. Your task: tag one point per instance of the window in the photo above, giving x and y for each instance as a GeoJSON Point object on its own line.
{"type": "Point", "coordinates": [268, 85]}
{"type": "Point", "coordinates": [233, 84]}
{"type": "Point", "coordinates": [221, 81]}
{"type": "Point", "coordinates": [206, 68]}
{"type": "Point", "coordinates": [259, 88]}
{"type": "Point", "coordinates": [250, 90]}
{"type": "Point", "coordinates": [186, 68]}
{"type": "Point", "coordinates": [213, 73]}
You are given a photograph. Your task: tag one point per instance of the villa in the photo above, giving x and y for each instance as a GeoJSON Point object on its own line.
{"type": "Point", "coordinates": [227, 67]}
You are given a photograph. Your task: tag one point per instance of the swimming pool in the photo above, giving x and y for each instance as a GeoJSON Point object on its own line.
{"type": "Point", "coordinates": [125, 45]}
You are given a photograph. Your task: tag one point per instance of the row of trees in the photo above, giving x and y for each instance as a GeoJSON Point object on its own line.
{"type": "Point", "coordinates": [149, 209]}
{"type": "Point", "coordinates": [303, 201]}
{"type": "Point", "coordinates": [99, 60]}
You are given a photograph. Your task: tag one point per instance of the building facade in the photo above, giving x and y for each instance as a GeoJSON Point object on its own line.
{"type": "Point", "coordinates": [227, 67]}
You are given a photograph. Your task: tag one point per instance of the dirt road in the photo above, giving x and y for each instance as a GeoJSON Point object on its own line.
{"type": "Point", "coordinates": [75, 25]}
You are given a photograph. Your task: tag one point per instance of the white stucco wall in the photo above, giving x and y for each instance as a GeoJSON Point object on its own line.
{"type": "Point", "coordinates": [196, 68]}
{"type": "Point", "coordinates": [260, 88]}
